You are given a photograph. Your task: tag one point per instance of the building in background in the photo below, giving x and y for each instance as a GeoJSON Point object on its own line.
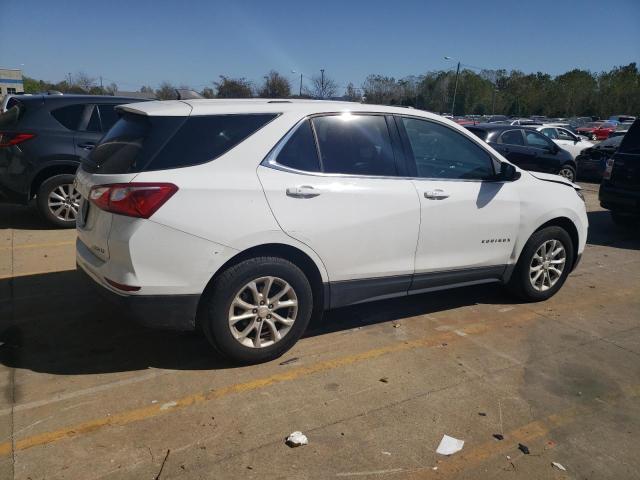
{"type": "Point", "coordinates": [10, 81]}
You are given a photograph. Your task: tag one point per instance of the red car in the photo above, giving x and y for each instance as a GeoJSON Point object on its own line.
{"type": "Point", "coordinates": [597, 130]}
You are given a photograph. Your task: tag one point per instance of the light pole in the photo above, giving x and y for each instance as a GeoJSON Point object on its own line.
{"type": "Point", "coordinates": [300, 92]}
{"type": "Point", "coordinates": [455, 90]}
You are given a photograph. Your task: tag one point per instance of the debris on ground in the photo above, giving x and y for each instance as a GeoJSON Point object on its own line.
{"type": "Point", "coordinates": [386, 453]}
{"type": "Point", "coordinates": [559, 466]}
{"type": "Point", "coordinates": [297, 439]}
{"type": "Point", "coordinates": [482, 414]}
{"type": "Point", "coordinates": [384, 379]}
{"type": "Point", "coordinates": [168, 405]}
{"type": "Point", "coordinates": [162, 466]}
{"type": "Point", "coordinates": [291, 360]}
{"type": "Point", "coordinates": [523, 448]}
{"type": "Point", "coordinates": [498, 436]}
{"type": "Point", "coordinates": [449, 445]}
{"type": "Point", "coordinates": [396, 325]}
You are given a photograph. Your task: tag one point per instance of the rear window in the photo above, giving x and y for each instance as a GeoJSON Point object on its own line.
{"type": "Point", "coordinates": [69, 116]}
{"type": "Point", "coordinates": [140, 143]}
{"type": "Point", "coordinates": [10, 118]}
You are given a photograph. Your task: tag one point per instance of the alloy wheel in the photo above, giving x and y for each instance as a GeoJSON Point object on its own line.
{"type": "Point", "coordinates": [547, 265]}
{"type": "Point", "coordinates": [567, 173]}
{"type": "Point", "coordinates": [64, 202]}
{"type": "Point", "coordinates": [263, 312]}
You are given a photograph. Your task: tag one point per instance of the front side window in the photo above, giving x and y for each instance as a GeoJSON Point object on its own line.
{"type": "Point", "coordinates": [355, 145]}
{"type": "Point", "coordinates": [441, 152]}
{"type": "Point", "coordinates": [300, 150]}
{"type": "Point", "coordinates": [511, 137]}
{"type": "Point", "coordinates": [534, 139]}
{"type": "Point", "coordinates": [550, 133]}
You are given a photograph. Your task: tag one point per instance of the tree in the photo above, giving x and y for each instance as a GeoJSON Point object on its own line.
{"type": "Point", "coordinates": [322, 87]}
{"type": "Point", "coordinates": [275, 86]}
{"type": "Point", "coordinates": [207, 92]}
{"type": "Point", "coordinates": [166, 91]}
{"type": "Point", "coordinates": [233, 87]}
{"type": "Point", "coordinates": [84, 81]}
{"type": "Point", "coordinates": [111, 89]}
{"type": "Point", "coordinates": [351, 94]}
{"type": "Point", "coordinates": [146, 89]}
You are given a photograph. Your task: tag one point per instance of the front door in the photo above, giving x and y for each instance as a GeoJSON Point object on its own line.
{"type": "Point", "coordinates": [512, 146]}
{"type": "Point", "coordinates": [469, 222]}
{"type": "Point", "coordinates": [348, 204]}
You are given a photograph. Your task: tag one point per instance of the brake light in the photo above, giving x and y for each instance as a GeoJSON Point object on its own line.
{"type": "Point", "coordinates": [8, 139]}
{"type": "Point", "coordinates": [609, 168]}
{"type": "Point", "coordinates": [139, 200]}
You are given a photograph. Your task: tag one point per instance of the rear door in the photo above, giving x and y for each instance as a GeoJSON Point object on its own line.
{"type": "Point", "coordinates": [346, 201]}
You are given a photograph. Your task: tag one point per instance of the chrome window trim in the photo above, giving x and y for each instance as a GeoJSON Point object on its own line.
{"type": "Point", "coordinates": [269, 160]}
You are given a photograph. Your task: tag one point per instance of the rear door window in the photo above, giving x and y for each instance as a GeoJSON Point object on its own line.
{"type": "Point", "coordinates": [69, 116]}
{"type": "Point", "coordinates": [300, 150]}
{"type": "Point", "coordinates": [512, 137]}
{"type": "Point", "coordinates": [355, 145]}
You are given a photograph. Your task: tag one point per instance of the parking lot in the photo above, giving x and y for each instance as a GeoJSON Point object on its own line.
{"type": "Point", "coordinates": [88, 394]}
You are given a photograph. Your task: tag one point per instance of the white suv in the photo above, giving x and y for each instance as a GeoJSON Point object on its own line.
{"type": "Point", "coordinates": [244, 217]}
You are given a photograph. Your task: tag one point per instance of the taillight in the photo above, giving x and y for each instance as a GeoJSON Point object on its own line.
{"type": "Point", "coordinates": [607, 171]}
{"type": "Point", "coordinates": [139, 200]}
{"type": "Point", "coordinates": [8, 139]}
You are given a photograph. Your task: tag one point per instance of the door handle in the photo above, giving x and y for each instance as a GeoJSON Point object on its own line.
{"type": "Point", "coordinates": [303, 191]}
{"type": "Point", "coordinates": [87, 146]}
{"type": "Point", "coordinates": [436, 194]}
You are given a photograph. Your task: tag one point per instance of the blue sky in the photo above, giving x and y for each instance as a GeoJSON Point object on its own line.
{"type": "Point", "coordinates": [138, 42]}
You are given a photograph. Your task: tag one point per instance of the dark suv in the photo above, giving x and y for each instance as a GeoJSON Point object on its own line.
{"type": "Point", "coordinates": [620, 187]}
{"type": "Point", "coordinates": [527, 148]}
{"type": "Point", "coordinates": [43, 139]}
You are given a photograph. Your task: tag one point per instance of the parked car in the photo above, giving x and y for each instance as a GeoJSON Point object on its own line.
{"type": "Point", "coordinates": [43, 139]}
{"type": "Point", "coordinates": [241, 218]}
{"type": "Point", "coordinates": [596, 130]}
{"type": "Point", "coordinates": [565, 139]}
{"type": "Point", "coordinates": [525, 121]}
{"type": "Point", "coordinates": [622, 118]}
{"type": "Point", "coordinates": [621, 129]}
{"type": "Point", "coordinates": [592, 161]}
{"type": "Point", "coordinates": [620, 187]}
{"type": "Point", "coordinates": [527, 148]}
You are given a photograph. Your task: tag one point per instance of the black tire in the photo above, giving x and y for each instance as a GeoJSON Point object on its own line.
{"type": "Point", "coordinates": [568, 172]}
{"type": "Point", "coordinates": [520, 282]}
{"type": "Point", "coordinates": [217, 304]}
{"type": "Point", "coordinates": [628, 222]}
{"type": "Point", "coordinates": [64, 181]}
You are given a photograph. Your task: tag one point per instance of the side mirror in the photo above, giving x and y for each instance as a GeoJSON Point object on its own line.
{"type": "Point", "coordinates": [507, 173]}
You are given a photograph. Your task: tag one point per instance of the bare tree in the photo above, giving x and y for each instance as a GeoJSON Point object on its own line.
{"type": "Point", "coordinates": [166, 91]}
{"type": "Point", "coordinates": [84, 81]}
{"type": "Point", "coordinates": [233, 87]}
{"type": "Point", "coordinates": [322, 87]}
{"type": "Point", "coordinates": [275, 86]}
{"type": "Point", "coordinates": [111, 89]}
{"type": "Point", "coordinates": [207, 92]}
{"type": "Point", "coordinates": [351, 93]}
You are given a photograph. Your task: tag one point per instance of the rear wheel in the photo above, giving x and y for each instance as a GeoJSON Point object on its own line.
{"type": "Point", "coordinates": [258, 309]}
{"type": "Point", "coordinates": [58, 200]}
{"type": "Point", "coordinates": [543, 266]}
{"type": "Point", "coordinates": [568, 172]}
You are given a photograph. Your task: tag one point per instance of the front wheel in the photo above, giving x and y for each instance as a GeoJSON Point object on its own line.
{"type": "Point", "coordinates": [58, 200]}
{"type": "Point", "coordinates": [258, 309]}
{"type": "Point", "coordinates": [543, 266]}
{"type": "Point", "coordinates": [568, 172]}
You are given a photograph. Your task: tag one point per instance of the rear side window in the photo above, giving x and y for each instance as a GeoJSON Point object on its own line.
{"type": "Point", "coordinates": [512, 137]}
{"type": "Point", "coordinates": [300, 150]}
{"type": "Point", "coordinates": [108, 116]}
{"type": "Point", "coordinates": [355, 145]}
{"type": "Point", "coordinates": [10, 118]}
{"type": "Point", "coordinates": [202, 139]}
{"type": "Point", "coordinates": [69, 116]}
{"type": "Point", "coordinates": [140, 143]}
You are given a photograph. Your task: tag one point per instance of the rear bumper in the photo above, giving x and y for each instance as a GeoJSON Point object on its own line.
{"type": "Point", "coordinates": [172, 312]}
{"type": "Point", "coordinates": [618, 199]}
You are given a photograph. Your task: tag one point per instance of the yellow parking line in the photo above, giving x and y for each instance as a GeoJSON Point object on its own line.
{"type": "Point", "coordinates": [39, 272]}
{"type": "Point", "coordinates": [532, 431]}
{"type": "Point", "coordinates": [131, 416]}
{"type": "Point", "coordinates": [38, 245]}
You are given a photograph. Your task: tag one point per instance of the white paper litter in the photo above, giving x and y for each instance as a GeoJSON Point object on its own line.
{"type": "Point", "coordinates": [449, 445]}
{"type": "Point", "coordinates": [297, 439]}
{"type": "Point", "coordinates": [559, 466]}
